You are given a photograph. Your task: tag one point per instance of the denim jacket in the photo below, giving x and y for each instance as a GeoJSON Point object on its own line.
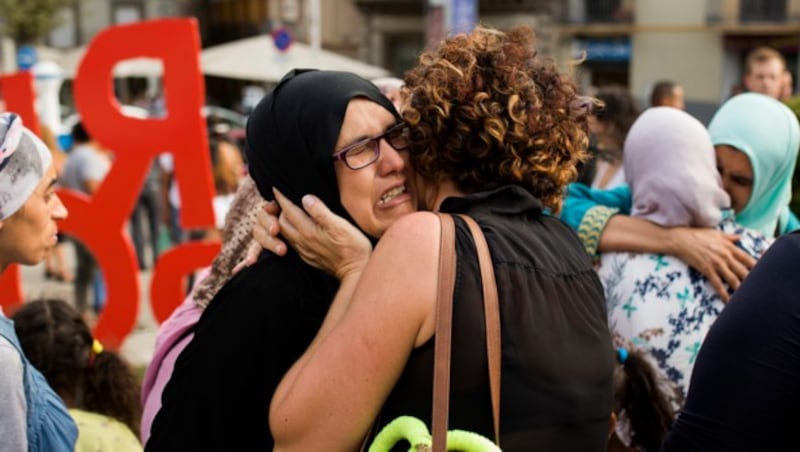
{"type": "Point", "coordinates": [50, 427]}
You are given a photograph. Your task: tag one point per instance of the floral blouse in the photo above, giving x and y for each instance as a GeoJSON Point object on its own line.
{"type": "Point", "coordinates": [660, 304]}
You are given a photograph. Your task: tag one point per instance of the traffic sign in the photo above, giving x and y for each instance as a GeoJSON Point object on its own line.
{"type": "Point", "coordinates": [26, 57]}
{"type": "Point", "coordinates": [282, 38]}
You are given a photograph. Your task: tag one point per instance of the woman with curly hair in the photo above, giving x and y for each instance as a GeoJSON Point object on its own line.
{"type": "Point", "coordinates": [495, 132]}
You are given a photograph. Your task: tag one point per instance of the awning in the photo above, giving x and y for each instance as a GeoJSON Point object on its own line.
{"type": "Point", "coordinates": [253, 58]}
{"type": "Point", "coordinates": [69, 59]}
{"type": "Point", "coordinates": [257, 58]}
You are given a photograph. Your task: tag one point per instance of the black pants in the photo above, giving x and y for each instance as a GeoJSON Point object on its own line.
{"type": "Point", "coordinates": [147, 209]}
{"type": "Point", "coordinates": [86, 268]}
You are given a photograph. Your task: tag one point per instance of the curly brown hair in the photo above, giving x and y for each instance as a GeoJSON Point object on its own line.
{"type": "Point", "coordinates": [486, 111]}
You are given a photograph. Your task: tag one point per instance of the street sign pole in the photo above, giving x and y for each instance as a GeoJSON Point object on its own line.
{"type": "Point", "coordinates": [449, 17]}
{"type": "Point", "coordinates": [436, 22]}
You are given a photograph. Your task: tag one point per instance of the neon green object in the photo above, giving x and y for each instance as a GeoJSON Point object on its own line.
{"type": "Point", "coordinates": [416, 433]}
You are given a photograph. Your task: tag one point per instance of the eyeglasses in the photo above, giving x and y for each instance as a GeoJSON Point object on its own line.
{"type": "Point", "coordinates": [364, 152]}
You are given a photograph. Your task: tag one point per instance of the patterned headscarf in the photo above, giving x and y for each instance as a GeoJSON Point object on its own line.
{"type": "Point", "coordinates": [237, 235]}
{"type": "Point", "coordinates": [768, 133]}
{"type": "Point", "coordinates": [671, 169]}
{"type": "Point", "coordinates": [24, 158]}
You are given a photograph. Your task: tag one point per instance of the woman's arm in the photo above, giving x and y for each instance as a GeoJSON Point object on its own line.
{"type": "Point", "coordinates": [710, 252]}
{"type": "Point", "coordinates": [330, 397]}
{"type": "Point", "coordinates": [586, 210]}
{"type": "Point", "coordinates": [594, 216]}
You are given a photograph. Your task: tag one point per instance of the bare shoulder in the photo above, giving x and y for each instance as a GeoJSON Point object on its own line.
{"type": "Point", "coordinates": [414, 237]}
{"type": "Point", "coordinates": [416, 225]}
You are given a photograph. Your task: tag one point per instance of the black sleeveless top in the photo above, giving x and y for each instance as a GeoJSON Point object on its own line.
{"type": "Point", "coordinates": [557, 358]}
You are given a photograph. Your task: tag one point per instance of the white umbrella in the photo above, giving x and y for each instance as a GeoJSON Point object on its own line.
{"type": "Point", "coordinates": [253, 58]}
{"type": "Point", "coordinates": [68, 60]}
{"type": "Point", "coordinates": [134, 67]}
{"type": "Point", "coordinates": [257, 58]}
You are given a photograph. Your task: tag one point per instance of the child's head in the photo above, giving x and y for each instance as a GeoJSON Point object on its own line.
{"type": "Point", "coordinates": [58, 342]}
{"type": "Point", "coordinates": [643, 399]}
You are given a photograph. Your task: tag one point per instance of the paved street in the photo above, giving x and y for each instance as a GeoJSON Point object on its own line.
{"type": "Point", "coordinates": [138, 347]}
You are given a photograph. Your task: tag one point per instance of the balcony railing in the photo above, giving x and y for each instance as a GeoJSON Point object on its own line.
{"type": "Point", "coordinates": [752, 11]}
{"type": "Point", "coordinates": [762, 11]}
{"type": "Point", "coordinates": [595, 11]}
{"type": "Point", "coordinates": [724, 12]}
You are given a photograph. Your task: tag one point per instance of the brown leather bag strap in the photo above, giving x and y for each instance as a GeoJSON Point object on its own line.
{"type": "Point", "coordinates": [443, 335]}
{"type": "Point", "coordinates": [491, 313]}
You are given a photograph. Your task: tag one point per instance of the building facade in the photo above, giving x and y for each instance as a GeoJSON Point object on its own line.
{"type": "Point", "coordinates": [699, 44]}
{"type": "Point", "coordinates": [84, 18]}
{"type": "Point", "coordinates": [394, 31]}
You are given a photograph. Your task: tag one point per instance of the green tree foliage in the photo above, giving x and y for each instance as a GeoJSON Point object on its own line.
{"type": "Point", "coordinates": [26, 21]}
{"type": "Point", "coordinates": [794, 105]}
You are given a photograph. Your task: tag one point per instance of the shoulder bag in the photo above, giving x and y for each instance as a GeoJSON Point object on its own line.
{"type": "Point", "coordinates": [413, 429]}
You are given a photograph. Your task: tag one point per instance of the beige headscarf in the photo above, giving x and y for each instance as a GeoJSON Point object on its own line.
{"type": "Point", "coordinates": [237, 237]}
{"type": "Point", "coordinates": [671, 168]}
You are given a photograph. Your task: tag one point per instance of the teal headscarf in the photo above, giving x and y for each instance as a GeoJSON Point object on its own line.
{"type": "Point", "coordinates": [768, 133]}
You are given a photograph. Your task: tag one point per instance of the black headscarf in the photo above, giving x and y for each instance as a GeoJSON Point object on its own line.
{"type": "Point", "coordinates": [292, 132]}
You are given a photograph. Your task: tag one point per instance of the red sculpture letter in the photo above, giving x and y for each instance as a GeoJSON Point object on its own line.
{"type": "Point", "coordinates": [19, 96]}
{"type": "Point", "coordinates": [98, 222]}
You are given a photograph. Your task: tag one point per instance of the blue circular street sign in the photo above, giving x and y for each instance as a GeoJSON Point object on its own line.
{"type": "Point", "coordinates": [282, 38]}
{"type": "Point", "coordinates": [26, 57]}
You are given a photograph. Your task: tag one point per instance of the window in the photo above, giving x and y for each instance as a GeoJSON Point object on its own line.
{"type": "Point", "coordinates": [762, 11]}
{"type": "Point", "coordinates": [126, 12]}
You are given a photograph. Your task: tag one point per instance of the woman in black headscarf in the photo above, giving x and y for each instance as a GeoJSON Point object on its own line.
{"type": "Point", "coordinates": [266, 316]}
